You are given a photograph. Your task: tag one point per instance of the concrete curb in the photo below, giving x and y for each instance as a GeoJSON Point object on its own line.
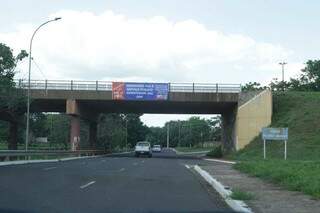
{"type": "Point", "coordinates": [8, 163]}
{"type": "Point", "coordinates": [220, 161]}
{"type": "Point", "coordinates": [188, 153]}
{"type": "Point", "coordinates": [236, 205]}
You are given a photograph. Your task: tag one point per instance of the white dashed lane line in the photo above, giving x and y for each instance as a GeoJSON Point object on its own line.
{"type": "Point", "coordinates": [122, 169]}
{"type": "Point", "coordinates": [86, 185]}
{"type": "Point", "coordinates": [49, 168]}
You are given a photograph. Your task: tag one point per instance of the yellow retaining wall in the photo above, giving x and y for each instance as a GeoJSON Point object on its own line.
{"type": "Point", "coordinates": [251, 117]}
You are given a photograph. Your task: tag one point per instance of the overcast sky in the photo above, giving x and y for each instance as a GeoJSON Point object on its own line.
{"type": "Point", "coordinates": [214, 41]}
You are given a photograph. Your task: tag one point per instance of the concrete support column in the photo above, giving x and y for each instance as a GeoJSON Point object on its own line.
{"type": "Point", "coordinates": [93, 135]}
{"type": "Point", "coordinates": [75, 132]}
{"type": "Point", "coordinates": [13, 132]}
{"type": "Point", "coordinates": [229, 131]}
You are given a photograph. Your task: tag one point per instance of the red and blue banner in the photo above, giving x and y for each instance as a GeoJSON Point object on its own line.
{"type": "Point", "coordinates": [140, 91]}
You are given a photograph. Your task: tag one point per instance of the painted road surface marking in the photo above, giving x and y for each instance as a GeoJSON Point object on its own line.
{"type": "Point", "coordinates": [49, 168]}
{"type": "Point", "coordinates": [86, 185]}
{"type": "Point", "coordinates": [122, 169]}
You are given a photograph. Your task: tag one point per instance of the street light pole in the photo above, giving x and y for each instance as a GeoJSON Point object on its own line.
{"type": "Point", "coordinates": [126, 135]}
{"type": "Point", "coordinates": [168, 132]}
{"type": "Point", "coordinates": [282, 66]}
{"type": "Point", "coordinates": [29, 75]}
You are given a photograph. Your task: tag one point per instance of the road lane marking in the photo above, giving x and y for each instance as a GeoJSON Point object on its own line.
{"type": "Point", "coordinates": [135, 164]}
{"type": "Point", "coordinates": [142, 161]}
{"type": "Point", "coordinates": [187, 166]}
{"type": "Point", "coordinates": [49, 168]}
{"type": "Point", "coordinates": [86, 185]}
{"type": "Point", "coordinates": [122, 169]}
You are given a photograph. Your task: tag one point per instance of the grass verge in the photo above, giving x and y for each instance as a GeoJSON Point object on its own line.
{"type": "Point", "coordinates": [301, 176]}
{"type": "Point", "coordinates": [237, 194]}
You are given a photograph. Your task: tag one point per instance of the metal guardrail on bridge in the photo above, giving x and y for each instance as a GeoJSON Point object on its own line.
{"type": "Point", "coordinates": [107, 86]}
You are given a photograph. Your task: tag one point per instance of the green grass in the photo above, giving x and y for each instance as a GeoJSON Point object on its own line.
{"type": "Point", "coordinates": [193, 149]}
{"type": "Point", "coordinates": [301, 176]}
{"type": "Point", "coordinates": [300, 112]}
{"type": "Point", "coordinates": [237, 194]}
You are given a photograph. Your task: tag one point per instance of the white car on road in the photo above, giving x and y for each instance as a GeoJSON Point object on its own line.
{"type": "Point", "coordinates": [156, 148]}
{"type": "Point", "coordinates": [143, 148]}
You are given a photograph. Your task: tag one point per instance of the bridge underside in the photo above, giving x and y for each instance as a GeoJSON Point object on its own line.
{"type": "Point", "coordinates": [160, 107]}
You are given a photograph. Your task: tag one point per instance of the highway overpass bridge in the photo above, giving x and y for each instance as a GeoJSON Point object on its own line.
{"type": "Point", "coordinates": [243, 114]}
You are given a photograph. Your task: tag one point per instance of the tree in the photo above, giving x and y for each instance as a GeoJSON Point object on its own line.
{"type": "Point", "coordinates": [12, 100]}
{"type": "Point", "coordinates": [253, 86]}
{"type": "Point", "coordinates": [137, 131]}
{"type": "Point", "coordinates": [310, 78]}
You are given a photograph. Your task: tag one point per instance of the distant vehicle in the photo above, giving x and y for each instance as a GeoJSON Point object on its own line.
{"type": "Point", "coordinates": [156, 148]}
{"type": "Point", "coordinates": [143, 148]}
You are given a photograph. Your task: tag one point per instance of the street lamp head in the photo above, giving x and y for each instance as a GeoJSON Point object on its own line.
{"type": "Point", "coordinates": [57, 18]}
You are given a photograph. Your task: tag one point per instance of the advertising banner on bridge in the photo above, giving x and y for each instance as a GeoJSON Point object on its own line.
{"type": "Point", "coordinates": [140, 91]}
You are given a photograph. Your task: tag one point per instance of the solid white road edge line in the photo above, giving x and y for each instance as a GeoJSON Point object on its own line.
{"type": "Point", "coordinates": [236, 205]}
{"type": "Point", "coordinates": [86, 185]}
{"type": "Point", "coordinates": [220, 161]}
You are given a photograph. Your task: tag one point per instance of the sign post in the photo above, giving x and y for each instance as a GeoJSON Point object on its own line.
{"type": "Point", "coordinates": [264, 149]}
{"type": "Point", "coordinates": [285, 149]}
{"type": "Point", "coordinates": [275, 134]}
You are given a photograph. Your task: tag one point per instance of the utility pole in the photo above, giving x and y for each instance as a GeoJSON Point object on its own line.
{"type": "Point", "coordinates": [168, 132]}
{"type": "Point", "coordinates": [179, 133]}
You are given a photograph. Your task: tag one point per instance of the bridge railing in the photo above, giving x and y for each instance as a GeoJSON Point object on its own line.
{"type": "Point", "coordinates": [107, 86]}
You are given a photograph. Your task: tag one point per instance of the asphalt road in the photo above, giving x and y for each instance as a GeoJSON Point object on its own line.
{"type": "Point", "coordinates": [108, 184]}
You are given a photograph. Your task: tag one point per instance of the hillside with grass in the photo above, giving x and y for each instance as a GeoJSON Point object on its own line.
{"type": "Point", "coordinates": [300, 112]}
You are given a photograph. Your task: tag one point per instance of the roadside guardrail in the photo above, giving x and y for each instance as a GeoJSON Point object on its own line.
{"type": "Point", "coordinates": [7, 154]}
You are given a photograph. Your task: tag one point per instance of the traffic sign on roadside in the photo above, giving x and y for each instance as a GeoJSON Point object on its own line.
{"type": "Point", "coordinates": [275, 134]}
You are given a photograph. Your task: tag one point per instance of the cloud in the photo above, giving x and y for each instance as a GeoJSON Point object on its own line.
{"type": "Point", "coordinates": [110, 46]}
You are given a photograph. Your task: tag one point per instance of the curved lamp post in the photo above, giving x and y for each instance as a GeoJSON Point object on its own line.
{"type": "Point", "coordinates": [28, 98]}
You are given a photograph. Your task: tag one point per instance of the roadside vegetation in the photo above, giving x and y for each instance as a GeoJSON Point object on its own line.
{"type": "Point", "coordinates": [297, 107]}
{"type": "Point", "coordinates": [237, 194]}
{"type": "Point", "coordinates": [301, 171]}
{"type": "Point", "coordinates": [216, 152]}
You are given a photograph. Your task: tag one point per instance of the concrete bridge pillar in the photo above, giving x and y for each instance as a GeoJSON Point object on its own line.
{"type": "Point", "coordinates": [229, 131]}
{"type": "Point", "coordinates": [93, 134]}
{"type": "Point", "coordinates": [74, 132]}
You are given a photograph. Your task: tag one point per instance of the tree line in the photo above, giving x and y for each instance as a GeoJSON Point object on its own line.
{"type": "Point", "coordinates": [308, 80]}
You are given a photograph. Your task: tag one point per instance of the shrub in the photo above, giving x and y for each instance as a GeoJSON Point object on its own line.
{"type": "Point", "coordinates": [216, 152]}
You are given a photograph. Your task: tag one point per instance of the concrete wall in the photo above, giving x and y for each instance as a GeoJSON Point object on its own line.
{"type": "Point", "coordinates": [251, 117]}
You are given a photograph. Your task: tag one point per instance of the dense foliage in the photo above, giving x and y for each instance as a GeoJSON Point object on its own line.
{"type": "Point", "coordinates": [192, 132]}
{"type": "Point", "coordinates": [11, 100]}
